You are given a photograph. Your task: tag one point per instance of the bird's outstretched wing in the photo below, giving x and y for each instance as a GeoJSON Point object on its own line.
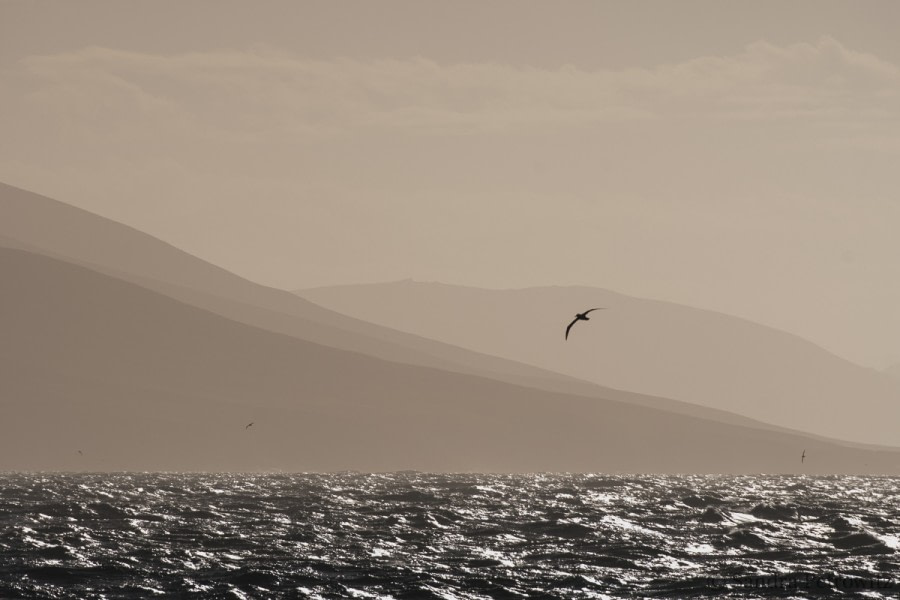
{"type": "Point", "coordinates": [593, 309]}
{"type": "Point", "coordinates": [570, 327]}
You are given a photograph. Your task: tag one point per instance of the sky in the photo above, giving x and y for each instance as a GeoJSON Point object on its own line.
{"type": "Point", "coordinates": [735, 156]}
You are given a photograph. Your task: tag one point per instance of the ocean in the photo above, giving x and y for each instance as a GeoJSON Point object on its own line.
{"type": "Point", "coordinates": [419, 535]}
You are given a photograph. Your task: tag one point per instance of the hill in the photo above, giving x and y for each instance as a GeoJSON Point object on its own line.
{"type": "Point", "coordinates": [140, 381]}
{"type": "Point", "coordinates": [645, 346]}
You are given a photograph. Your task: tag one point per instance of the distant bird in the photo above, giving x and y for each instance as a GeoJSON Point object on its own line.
{"type": "Point", "coordinates": [248, 425]}
{"type": "Point", "coordinates": [803, 456]}
{"type": "Point", "coordinates": [80, 452]}
{"type": "Point", "coordinates": [581, 317]}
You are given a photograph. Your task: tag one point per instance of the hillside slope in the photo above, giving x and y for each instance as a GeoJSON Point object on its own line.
{"type": "Point", "coordinates": [650, 347]}
{"type": "Point", "coordinates": [38, 224]}
{"type": "Point", "coordinates": [137, 380]}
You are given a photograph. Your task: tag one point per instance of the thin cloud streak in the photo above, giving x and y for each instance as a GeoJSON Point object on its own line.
{"type": "Point", "coordinates": [263, 92]}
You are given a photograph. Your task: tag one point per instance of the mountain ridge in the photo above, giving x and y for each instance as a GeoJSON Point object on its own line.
{"type": "Point", "coordinates": [125, 252]}
{"type": "Point", "coordinates": [100, 349]}
{"type": "Point", "coordinates": [183, 377]}
{"type": "Point", "coordinates": [645, 346]}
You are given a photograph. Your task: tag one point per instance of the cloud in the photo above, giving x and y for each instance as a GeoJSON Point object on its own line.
{"type": "Point", "coordinates": [262, 93]}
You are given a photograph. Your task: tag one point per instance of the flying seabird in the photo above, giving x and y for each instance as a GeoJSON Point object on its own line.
{"type": "Point", "coordinates": [581, 317]}
{"type": "Point", "coordinates": [248, 425]}
{"type": "Point", "coordinates": [803, 456]}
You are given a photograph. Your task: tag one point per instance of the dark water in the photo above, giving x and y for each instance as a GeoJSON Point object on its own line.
{"type": "Point", "coordinates": [411, 535]}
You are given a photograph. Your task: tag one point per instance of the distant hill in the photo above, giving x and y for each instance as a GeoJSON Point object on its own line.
{"type": "Point", "coordinates": [146, 358]}
{"type": "Point", "coordinates": [140, 381]}
{"type": "Point", "coordinates": [42, 225]}
{"type": "Point", "coordinates": [39, 224]}
{"type": "Point", "coordinates": [645, 346]}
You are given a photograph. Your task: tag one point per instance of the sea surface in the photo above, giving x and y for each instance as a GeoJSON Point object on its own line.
{"type": "Point", "coordinates": [416, 535]}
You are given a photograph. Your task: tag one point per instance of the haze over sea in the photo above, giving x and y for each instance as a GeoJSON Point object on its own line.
{"type": "Point", "coordinates": [416, 535]}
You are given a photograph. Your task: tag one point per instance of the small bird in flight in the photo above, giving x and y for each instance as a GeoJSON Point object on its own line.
{"type": "Point", "coordinates": [803, 456]}
{"type": "Point", "coordinates": [581, 317]}
{"type": "Point", "coordinates": [248, 425]}
{"type": "Point", "coordinates": [80, 452]}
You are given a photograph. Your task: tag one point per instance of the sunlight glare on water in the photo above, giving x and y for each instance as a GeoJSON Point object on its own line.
{"type": "Point", "coordinates": [415, 535]}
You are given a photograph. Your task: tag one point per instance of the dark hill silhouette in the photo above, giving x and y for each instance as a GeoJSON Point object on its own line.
{"type": "Point", "coordinates": [39, 224]}
{"type": "Point", "coordinates": [139, 380]}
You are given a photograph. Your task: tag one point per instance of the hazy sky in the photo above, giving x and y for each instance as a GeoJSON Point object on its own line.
{"type": "Point", "coordinates": [739, 156]}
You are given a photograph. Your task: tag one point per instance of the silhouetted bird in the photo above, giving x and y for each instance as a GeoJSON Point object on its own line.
{"type": "Point", "coordinates": [580, 317]}
{"type": "Point", "coordinates": [248, 425]}
{"type": "Point", "coordinates": [80, 452]}
{"type": "Point", "coordinates": [803, 456]}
